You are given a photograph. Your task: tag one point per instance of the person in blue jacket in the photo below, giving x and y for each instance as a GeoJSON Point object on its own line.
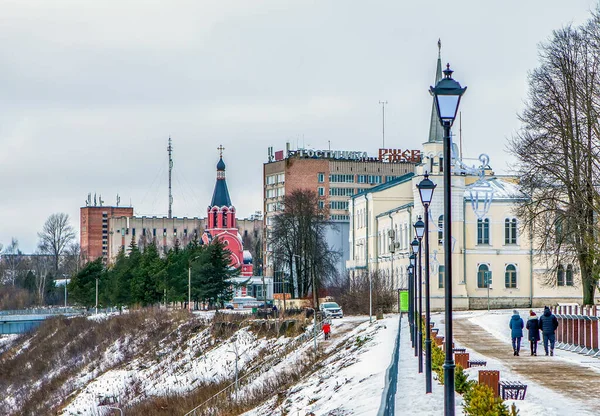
{"type": "Point", "coordinates": [516, 331]}
{"type": "Point", "coordinates": [548, 325]}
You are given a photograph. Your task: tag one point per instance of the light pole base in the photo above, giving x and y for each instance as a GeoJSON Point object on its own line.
{"type": "Point", "coordinates": [449, 402]}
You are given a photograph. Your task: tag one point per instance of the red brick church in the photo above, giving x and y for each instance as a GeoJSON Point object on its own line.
{"type": "Point", "coordinates": [221, 223]}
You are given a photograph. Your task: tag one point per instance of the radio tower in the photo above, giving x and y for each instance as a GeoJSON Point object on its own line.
{"type": "Point", "coordinates": [170, 150]}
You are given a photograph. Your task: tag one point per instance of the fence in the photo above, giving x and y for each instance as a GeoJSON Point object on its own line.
{"type": "Point", "coordinates": [577, 329]}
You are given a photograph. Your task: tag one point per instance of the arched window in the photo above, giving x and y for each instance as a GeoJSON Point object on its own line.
{"type": "Point", "coordinates": [483, 231]}
{"type": "Point", "coordinates": [560, 276]}
{"type": "Point", "coordinates": [225, 219]}
{"type": "Point", "coordinates": [510, 231]}
{"type": "Point", "coordinates": [215, 225]}
{"type": "Point", "coordinates": [569, 276]}
{"type": "Point", "coordinates": [510, 276]}
{"type": "Point", "coordinates": [440, 229]}
{"type": "Point", "coordinates": [483, 272]}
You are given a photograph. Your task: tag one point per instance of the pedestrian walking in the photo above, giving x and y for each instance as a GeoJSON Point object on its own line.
{"type": "Point", "coordinates": [326, 329]}
{"type": "Point", "coordinates": [516, 331]}
{"type": "Point", "coordinates": [533, 325]}
{"type": "Point", "coordinates": [548, 325]}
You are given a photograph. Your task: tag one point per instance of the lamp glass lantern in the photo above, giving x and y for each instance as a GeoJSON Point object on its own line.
{"type": "Point", "coordinates": [481, 193]}
{"type": "Point", "coordinates": [426, 188]}
{"type": "Point", "coordinates": [415, 246]}
{"type": "Point", "coordinates": [412, 259]}
{"type": "Point", "coordinates": [419, 228]}
{"type": "Point", "coordinates": [447, 95]}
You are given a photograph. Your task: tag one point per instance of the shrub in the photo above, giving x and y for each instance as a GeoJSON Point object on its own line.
{"type": "Point", "coordinates": [462, 384]}
{"type": "Point", "coordinates": [481, 400]}
{"type": "Point", "coordinates": [437, 362]}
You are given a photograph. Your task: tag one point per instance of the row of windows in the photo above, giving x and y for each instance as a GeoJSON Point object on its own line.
{"type": "Point", "coordinates": [273, 179]}
{"type": "Point", "coordinates": [341, 178]}
{"type": "Point", "coordinates": [562, 278]}
{"type": "Point", "coordinates": [338, 217]}
{"type": "Point", "coordinates": [274, 193]}
{"type": "Point", "coordinates": [125, 231]}
{"type": "Point", "coordinates": [338, 205]}
{"type": "Point", "coordinates": [368, 179]}
{"type": "Point", "coordinates": [342, 191]}
{"type": "Point", "coordinates": [483, 230]}
{"type": "Point", "coordinates": [274, 206]}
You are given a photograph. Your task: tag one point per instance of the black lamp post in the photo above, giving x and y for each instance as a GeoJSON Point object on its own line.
{"type": "Point", "coordinates": [411, 300]}
{"type": "Point", "coordinates": [413, 296]}
{"type": "Point", "coordinates": [419, 229]}
{"type": "Point", "coordinates": [447, 95]}
{"type": "Point", "coordinates": [426, 187]}
{"type": "Point", "coordinates": [416, 248]}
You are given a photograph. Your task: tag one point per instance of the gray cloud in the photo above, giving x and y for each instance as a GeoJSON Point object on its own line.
{"type": "Point", "coordinates": [90, 91]}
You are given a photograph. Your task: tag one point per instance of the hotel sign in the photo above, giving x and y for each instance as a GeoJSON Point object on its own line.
{"type": "Point", "coordinates": [399, 155]}
{"type": "Point", "coordinates": [329, 154]}
{"type": "Point", "coordinates": [385, 155]}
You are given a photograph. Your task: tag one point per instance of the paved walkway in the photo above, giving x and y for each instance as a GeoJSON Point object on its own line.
{"type": "Point", "coordinates": [564, 377]}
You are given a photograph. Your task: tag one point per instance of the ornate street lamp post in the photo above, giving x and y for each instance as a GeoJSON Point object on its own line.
{"type": "Point", "coordinates": [413, 259]}
{"type": "Point", "coordinates": [426, 187]}
{"type": "Point", "coordinates": [416, 248]}
{"type": "Point", "coordinates": [410, 270]}
{"type": "Point", "coordinates": [447, 94]}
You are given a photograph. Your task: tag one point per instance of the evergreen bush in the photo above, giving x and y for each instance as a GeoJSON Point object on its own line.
{"type": "Point", "coordinates": [462, 384]}
{"type": "Point", "coordinates": [481, 400]}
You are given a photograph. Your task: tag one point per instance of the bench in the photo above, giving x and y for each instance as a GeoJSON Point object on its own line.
{"type": "Point", "coordinates": [477, 363]}
{"type": "Point", "coordinates": [459, 350]}
{"type": "Point", "coordinates": [435, 330]}
{"type": "Point", "coordinates": [512, 390]}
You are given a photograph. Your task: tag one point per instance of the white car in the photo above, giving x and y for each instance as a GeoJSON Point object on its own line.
{"type": "Point", "coordinates": [331, 310]}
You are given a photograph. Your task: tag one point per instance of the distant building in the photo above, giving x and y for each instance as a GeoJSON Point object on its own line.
{"type": "Point", "coordinates": [335, 176]}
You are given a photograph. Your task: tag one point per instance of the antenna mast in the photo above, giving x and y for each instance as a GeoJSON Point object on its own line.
{"type": "Point", "coordinates": [170, 150]}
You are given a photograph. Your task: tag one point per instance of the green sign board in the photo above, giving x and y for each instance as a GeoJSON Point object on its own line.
{"type": "Point", "coordinates": [404, 301]}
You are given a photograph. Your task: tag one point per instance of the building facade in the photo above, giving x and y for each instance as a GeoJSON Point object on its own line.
{"type": "Point", "coordinates": [94, 229]}
{"type": "Point", "coordinates": [493, 258]}
{"type": "Point", "coordinates": [335, 176]}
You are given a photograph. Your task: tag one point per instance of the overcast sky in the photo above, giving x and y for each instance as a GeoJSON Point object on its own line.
{"type": "Point", "coordinates": [91, 90]}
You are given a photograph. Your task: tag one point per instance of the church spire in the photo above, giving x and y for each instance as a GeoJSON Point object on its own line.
{"type": "Point", "coordinates": [436, 133]}
{"type": "Point", "coordinates": [221, 194]}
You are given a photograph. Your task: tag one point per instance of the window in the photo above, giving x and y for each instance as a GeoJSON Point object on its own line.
{"type": "Point", "coordinates": [510, 276]}
{"type": "Point", "coordinates": [440, 229]}
{"type": "Point", "coordinates": [569, 279]}
{"type": "Point", "coordinates": [441, 276]}
{"type": "Point", "coordinates": [133, 232]}
{"type": "Point", "coordinates": [224, 219]}
{"type": "Point", "coordinates": [185, 232]}
{"type": "Point", "coordinates": [341, 191]}
{"type": "Point", "coordinates": [321, 204]}
{"type": "Point", "coordinates": [374, 179]}
{"type": "Point", "coordinates": [510, 231]}
{"type": "Point", "coordinates": [362, 178]}
{"type": "Point", "coordinates": [144, 232]}
{"type": "Point", "coordinates": [154, 232]}
{"type": "Point", "coordinates": [164, 232]}
{"type": "Point", "coordinates": [483, 231]}
{"type": "Point", "coordinates": [390, 178]}
{"type": "Point", "coordinates": [215, 219]}
{"type": "Point", "coordinates": [560, 276]}
{"type": "Point", "coordinates": [483, 273]}
{"type": "Point", "coordinates": [175, 232]}
{"type": "Point", "coordinates": [321, 191]}
{"type": "Point", "coordinates": [321, 177]}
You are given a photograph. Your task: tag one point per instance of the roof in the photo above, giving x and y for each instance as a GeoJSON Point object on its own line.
{"type": "Point", "coordinates": [503, 190]}
{"type": "Point", "coordinates": [221, 194]}
{"type": "Point", "coordinates": [400, 208]}
{"type": "Point", "coordinates": [384, 186]}
{"type": "Point", "coordinates": [436, 133]}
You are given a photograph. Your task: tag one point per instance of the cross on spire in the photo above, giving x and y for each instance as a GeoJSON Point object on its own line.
{"type": "Point", "coordinates": [220, 149]}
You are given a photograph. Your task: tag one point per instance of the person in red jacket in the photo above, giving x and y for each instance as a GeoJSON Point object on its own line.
{"type": "Point", "coordinates": [326, 329]}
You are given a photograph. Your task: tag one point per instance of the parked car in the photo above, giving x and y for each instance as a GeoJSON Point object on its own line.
{"type": "Point", "coordinates": [229, 305]}
{"type": "Point", "coordinates": [331, 310]}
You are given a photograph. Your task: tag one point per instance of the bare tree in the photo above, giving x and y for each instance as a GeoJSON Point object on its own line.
{"type": "Point", "coordinates": [42, 266]}
{"type": "Point", "coordinates": [557, 149]}
{"type": "Point", "coordinates": [13, 259]}
{"type": "Point", "coordinates": [55, 237]}
{"type": "Point", "coordinates": [298, 241]}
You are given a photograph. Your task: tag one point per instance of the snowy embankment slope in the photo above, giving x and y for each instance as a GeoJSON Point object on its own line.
{"type": "Point", "coordinates": [350, 381]}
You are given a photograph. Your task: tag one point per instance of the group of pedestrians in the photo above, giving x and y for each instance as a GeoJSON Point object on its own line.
{"type": "Point", "coordinates": [546, 324]}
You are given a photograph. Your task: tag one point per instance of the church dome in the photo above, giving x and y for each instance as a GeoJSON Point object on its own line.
{"type": "Point", "coordinates": [221, 164]}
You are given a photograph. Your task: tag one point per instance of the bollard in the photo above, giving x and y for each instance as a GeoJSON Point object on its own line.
{"type": "Point", "coordinates": [490, 378]}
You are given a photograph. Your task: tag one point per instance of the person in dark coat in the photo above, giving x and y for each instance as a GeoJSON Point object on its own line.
{"type": "Point", "coordinates": [533, 325]}
{"type": "Point", "coordinates": [548, 325]}
{"type": "Point", "coordinates": [516, 331]}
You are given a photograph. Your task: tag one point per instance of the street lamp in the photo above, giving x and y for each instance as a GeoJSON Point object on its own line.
{"type": "Point", "coordinates": [447, 94]}
{"type": "Point", "coordinates": [416, 248]}
{"type": "Point", "coordinates": [426, 188]}
{"type": "Point", "coordinates": [411, 300]}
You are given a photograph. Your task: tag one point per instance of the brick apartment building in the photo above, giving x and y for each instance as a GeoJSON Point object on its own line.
{"type": "Point", "coordinates": [335, 176]}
